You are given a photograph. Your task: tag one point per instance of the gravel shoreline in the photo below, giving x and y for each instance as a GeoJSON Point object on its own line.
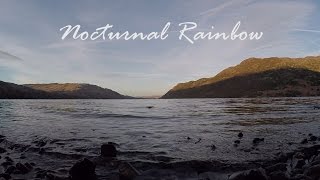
{"type": "Point", "coordinates": [26, 162]}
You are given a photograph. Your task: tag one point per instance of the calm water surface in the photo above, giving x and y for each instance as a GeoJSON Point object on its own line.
{"type": "Point", "coordinates": [160, 133]}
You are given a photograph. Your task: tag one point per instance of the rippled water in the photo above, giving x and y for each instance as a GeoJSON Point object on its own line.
{"type": "Point", "coordinates": [160, 133]}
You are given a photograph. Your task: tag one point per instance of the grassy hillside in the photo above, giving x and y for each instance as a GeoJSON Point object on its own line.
{"type": "Point", "coordinates": [56, 91]}
{"type": "Point", "coordinates": [14, 91]}
{"type": "Point", "coordinates": [256, 65]}
{"type": "Point", "coordinates": [74, 90]}
{"type": "Point", "coordinates": [257, 77]}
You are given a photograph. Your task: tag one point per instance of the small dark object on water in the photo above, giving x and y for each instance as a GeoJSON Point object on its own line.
{"type": "Point", "coordinates": [240, 135]}
{"type": "Point", "coordinates": [237, 141]}
{"type": "Point", "coordinates": [41, 151]}
{"type": "Point", "coordinates": [150, 107]}
{"type": "Point", "coordinates": [188, 138]}
{"type": "Point", "coordinates": [310, 134]}
{"type": "Point", "coordinates": [316, 107]}
{"type": "Point", "coordinates": [304, 141]}
{"type": "Point", "coordinates": [41, 143]}
{"type": "Point", "coordinates": [83, 170]}
{"type": "Point", "coordinates": [213, 147]}
{"type": "Point", "coordinates": [198, 141]}
{"type": "Point", "coordinates": [108, 150]}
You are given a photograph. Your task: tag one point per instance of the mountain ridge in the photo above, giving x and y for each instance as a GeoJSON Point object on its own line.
{"type": "Point", "coordinates": [247, 68]}
{"type": "Point", "coordinates": [57, 91]}
{"type": "Point", "coordinates": [224, 74]}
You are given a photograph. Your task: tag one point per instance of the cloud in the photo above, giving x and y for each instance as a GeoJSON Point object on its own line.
{"type": "Point", "coordinates": [307, 30]}
{"type": "Point", "coordinates": [221, 7]}
{"type": "Point", "coordinates": [7, 56]}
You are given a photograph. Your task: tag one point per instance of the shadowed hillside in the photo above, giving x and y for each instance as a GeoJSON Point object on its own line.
{"type": "Point", "coordinates": [56, 91]}
{"type": "Point", "coordinates": [81, 91]}
{"type": "Point", "coordinates": [257, 78]}
{"type": "Point", "coordinates": [14, 91]}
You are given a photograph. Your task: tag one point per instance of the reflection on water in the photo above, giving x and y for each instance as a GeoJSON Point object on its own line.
{"type": "Point", "coordinates": [81, 126]}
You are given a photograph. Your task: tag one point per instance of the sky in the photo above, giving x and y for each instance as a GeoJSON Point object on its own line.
{"type": "Point", "coordinates": [32, 51]}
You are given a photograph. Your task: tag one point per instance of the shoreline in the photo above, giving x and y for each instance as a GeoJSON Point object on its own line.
{"type": "Point", "coordinates": [27, 162]}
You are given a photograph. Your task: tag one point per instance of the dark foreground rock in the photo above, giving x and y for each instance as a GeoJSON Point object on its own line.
{"type": "Point", "coordinates": [83, 170]}
{"type": "Point", "coordinates": [108, 150]}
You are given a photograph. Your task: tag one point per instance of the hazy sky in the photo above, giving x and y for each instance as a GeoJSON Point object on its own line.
{"type": "Point", "coordinates": [31, 49]}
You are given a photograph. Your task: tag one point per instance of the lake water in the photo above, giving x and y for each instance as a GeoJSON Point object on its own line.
{"type": "Point", "coordinates": [161, 133]}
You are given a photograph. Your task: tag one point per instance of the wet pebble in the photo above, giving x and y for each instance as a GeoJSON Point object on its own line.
{"type": "Point", "coordinates": [313, 138]}
{"type": "Point", "coordinates": [304, 141]}
{"type": "Point", "coordinates": [240, 135]}
{"type": "Point", "coordinates": [256, 141]}
{"type": "Point", "coordinates": [2, 150]}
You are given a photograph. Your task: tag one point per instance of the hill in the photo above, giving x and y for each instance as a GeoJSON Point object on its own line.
{"type": "Point", "coordinates": [256, 77]}
{"type": "Point", "coordinates": [56, 91]}
{"type": "Point", "coordinates": [14, 91]}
